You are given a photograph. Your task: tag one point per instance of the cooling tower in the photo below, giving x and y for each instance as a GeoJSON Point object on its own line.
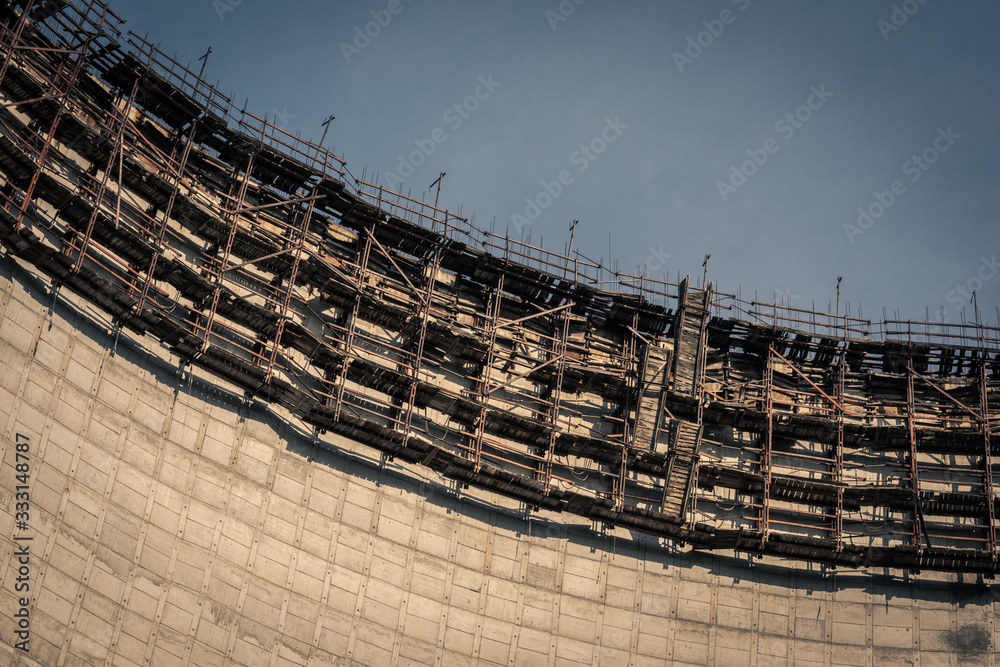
{"type": "Point", "coordinates": [258, 411]}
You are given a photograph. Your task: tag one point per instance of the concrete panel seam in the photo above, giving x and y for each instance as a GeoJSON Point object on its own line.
{"type": "Point", "coordinates": [328, 577]}
{"type": "Point", "coordinates": [213, 557]}
{"type": "Point", "coordinates": [557, 599]}
{"type": "Point", "coordinates": [449, 581]}
{"type": "Point", "coordinates": [248, 573]}
{"type": "Point", "coordinates": [602, 596]}
{"type": "Point", "coordinates": [633, 653]}
{"type": "Point", "coordinates": [519, 608]}
{"type": "Point", "coordinates": [293, 562]}
{"type": "Point", "coordinates": [366, 573]}
{"type": "Point", "coordinates": [407, 579]}
{"type": "Point", "coordinates": [12, 420]}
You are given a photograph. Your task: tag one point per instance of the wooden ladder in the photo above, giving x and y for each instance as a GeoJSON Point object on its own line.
{"type": "Point", "coordinates": [683, 454]}
{"type": "Point", "coordinates": [688, 338]}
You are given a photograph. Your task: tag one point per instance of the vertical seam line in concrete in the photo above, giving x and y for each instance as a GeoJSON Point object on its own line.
{"type": "Point", "coordinates": [213, 551]}
{"type": "Point", "coordinates": [713, 615]}
{"type": "Point", "coordinates": [449, 581]}
{"type": "Point", "coordinates": [675, 603]}
{"type": "Point", "coordinates": [366, 573]}
{"type": "Point", "coordinates": [165, 585]}
{"type": "Point", "coordinates": [633, 653]}
{"type": "Point", "coordinates": [519, 605]}
{"type": "Point", "coordinates": [602, 584]}
{"type": "Point", "coordinates": [755, 620]}
{"type": "Point", "coordinates": [790, 628]}
{"type": "Point", "coordinates": [38, 455]}
{"type": "Point", "coordinates": [829, 599]}
{"type": "Point", "coordinates": [292, 565]}
{"type": "Point", "coordinates": [557, 599]}
{"type": "Point", "coordinates": [29, 357]}
{"type": "Point", "coordinates": [101, 515]}
{"type": "Point", "coordinates": [407, 578]}
{"type": "Point", "coordinates": [143, 525]}
{"type": "Point", "coordinates": [64, 502]}
{"type": "Point", "coordinates": [248, 574]}
{"type": "Point", "coordinates": [328, 577]}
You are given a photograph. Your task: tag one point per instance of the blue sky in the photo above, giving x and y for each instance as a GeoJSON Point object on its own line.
{"type": "Point", "coordinates": [749, 130]}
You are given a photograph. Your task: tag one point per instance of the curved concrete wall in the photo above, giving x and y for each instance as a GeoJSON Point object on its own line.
{"type": "Point", "coordinates": [173, 524]}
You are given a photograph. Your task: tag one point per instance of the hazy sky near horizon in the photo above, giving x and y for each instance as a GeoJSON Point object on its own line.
{"type": "Point", "coordinates": [793, 141]}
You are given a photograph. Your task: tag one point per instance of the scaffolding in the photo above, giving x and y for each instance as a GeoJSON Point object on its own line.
{"type": "Point", "coordinates": [377, 317]}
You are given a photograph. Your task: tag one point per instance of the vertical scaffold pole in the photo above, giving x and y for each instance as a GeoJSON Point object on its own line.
{"type": "Point", "coordinates": [918, 527]}
{"type": "Point", "coordinates": [362, 278]}
{"type": "Point", "coordinates": [418, 361]}
{"type": "Point", "coordinates": [991, 534]}
{"type": "Point", "coordinates": [161, 229]}
{"type": "Point", "coordinates": [22, 20]}
{"type": "Point", "coordinates": [630, 364]}
{"type": "Point", "coordinates": [298, 240]}
{"type": "Point", "coordinates": [102, 188]}
{"type": "Point", "coordinates": [493, 315]}
{"type": "Point", "coordinates": [54, 125]}
{"type": "Point", "coordinates": [984, 411]}
{"type": "Point", "coordinates": [560, 353]}
{"type": "Point", "coordinates": [220, 271]}
{"type": "Point", "coordinates": [838, 455]}
{"type": "Point", "coordinates": [765, 457]}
